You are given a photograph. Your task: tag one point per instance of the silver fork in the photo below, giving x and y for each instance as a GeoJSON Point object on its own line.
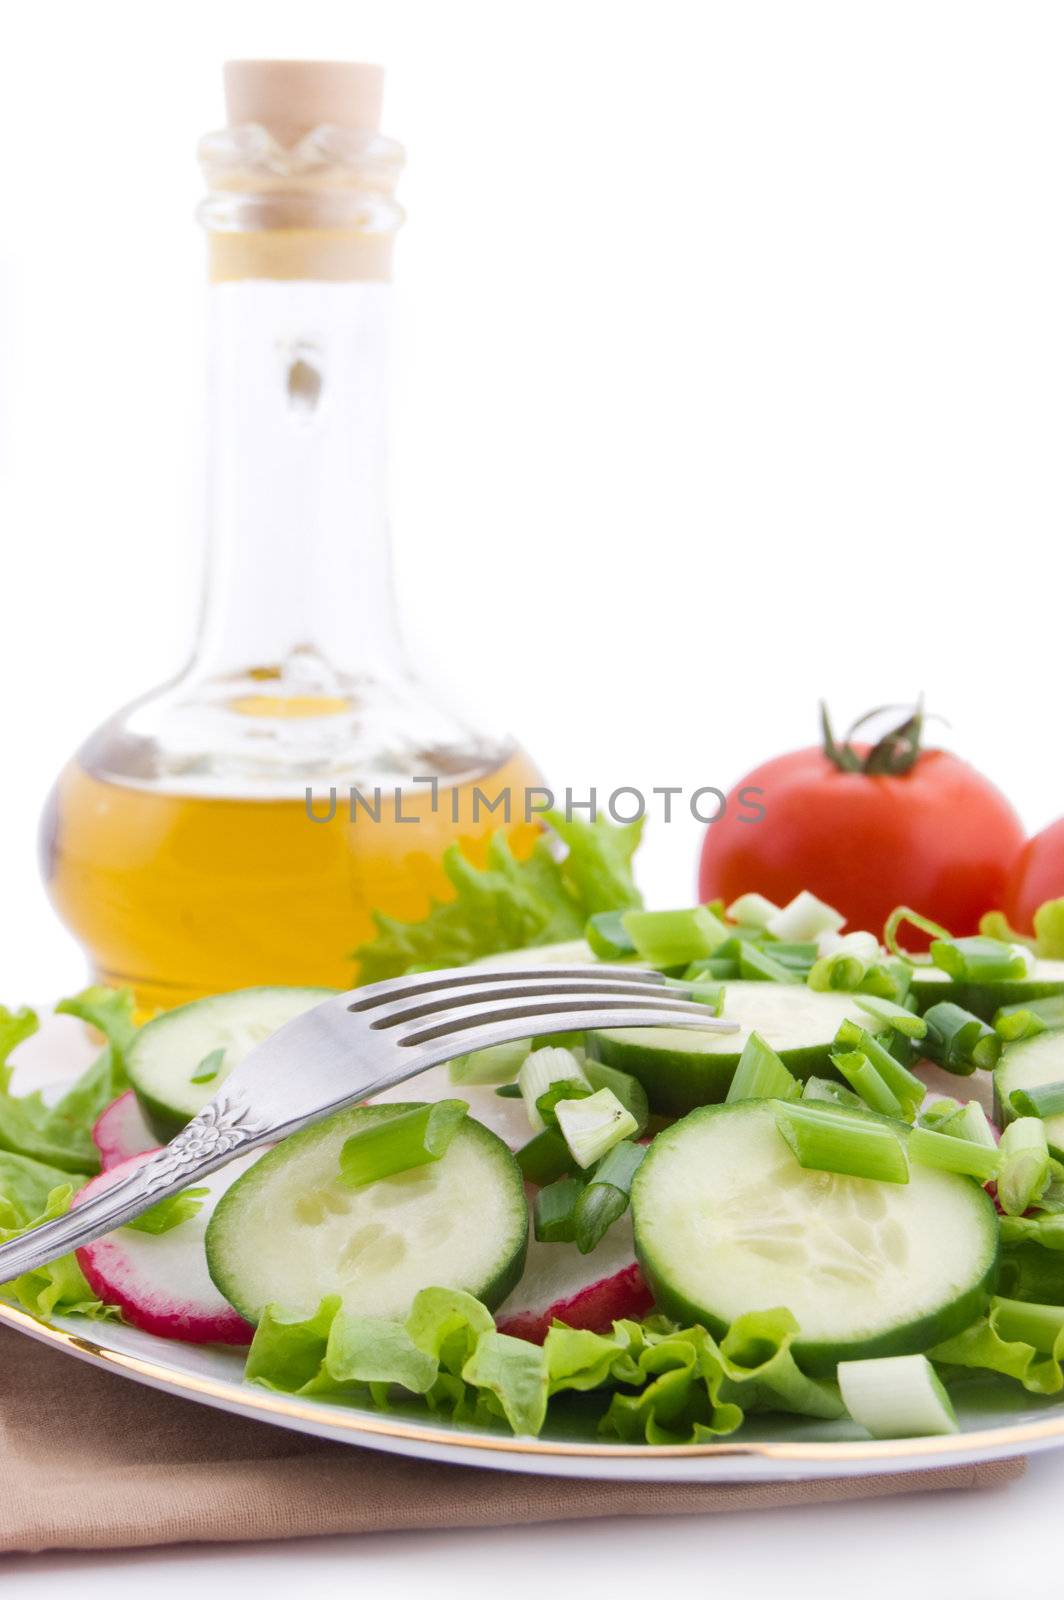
{"type": "Point", "coordinates": [352, 1047]}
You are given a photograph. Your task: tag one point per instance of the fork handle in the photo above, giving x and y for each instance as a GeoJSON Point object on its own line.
{"type": "Point", "coordinates": [222, 1130]}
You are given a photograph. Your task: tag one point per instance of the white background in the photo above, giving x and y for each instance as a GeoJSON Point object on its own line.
{"type": "Point", "coordinates": [729, 375]}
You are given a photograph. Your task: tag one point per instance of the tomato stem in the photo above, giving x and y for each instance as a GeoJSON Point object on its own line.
{"type": "Point", "coordinates": [894, 754]}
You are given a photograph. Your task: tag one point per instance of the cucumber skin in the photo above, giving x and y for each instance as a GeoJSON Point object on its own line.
{"type": "Point", "coordinates": [492, 1294]}
{"type": "Point", "coordinates": [164, 1120]}
{"type": "Point", "coordinates": [680, 1081]}
{"type": "Point", "coordinates": [984, 999]}
{"type": "Point", "coordinates": [819, 1357]}
{"type": "Point", "coordinates": [1003, 1112]}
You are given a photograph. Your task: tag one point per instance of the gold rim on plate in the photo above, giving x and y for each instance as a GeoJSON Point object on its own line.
{"type": "Point", "coordinates": [1010, 1440]}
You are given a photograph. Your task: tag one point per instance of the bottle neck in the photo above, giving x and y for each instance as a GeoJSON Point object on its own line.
{"type": "Point", "coordinates": [299, 575]}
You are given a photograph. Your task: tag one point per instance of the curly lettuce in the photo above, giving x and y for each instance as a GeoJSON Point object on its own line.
{"type": "Point", "coordinates": [511, 904]}
{"type": "Point", "coordinates": [649, 1382]}
{"type": "Point", "coordinates": [60, 1134]}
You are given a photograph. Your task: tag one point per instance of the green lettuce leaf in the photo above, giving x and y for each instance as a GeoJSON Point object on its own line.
{"type": "Point", "coordinates": [511, 904]}
{"type": "Point", "coordinates": [110, 1012]}
{"type": "Point", "coordinates": [513, 1373]}
{"type": "Point", "coordinates": [31, 1193]}
{"type": "Point", "coordinates": [1049, 931]}
{"type": "Point", "coordinates": [171, 1212]}
{"type": "Point", "coordinates": [60, 1287]}
{"type": "Point", "coordinates": [28, 1191]}
{"type": "Point", "coordinates": [60, 1135]}
{"type": "Point", "coordinates": [287, 1352]}
{"type": "Point", "coordinates": [762, 1373]}
{"type": "Point", "coordinates": [1031, 1272]}
{"type": "Point", "coordinates": [1048, 941]}
{"type": "Point", "coordinates": [982, 1346]}
{"type": "Point", "coordinates": [658, 1383]}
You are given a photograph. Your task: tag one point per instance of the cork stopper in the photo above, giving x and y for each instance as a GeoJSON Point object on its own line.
{"type": "Point", "coordinates": [289, 98]}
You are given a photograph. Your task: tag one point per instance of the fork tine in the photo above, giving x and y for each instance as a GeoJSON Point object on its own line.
{"type": "Point", "coordinates": [539, 987]}
{"type": "Point", "coordinates": [395, 989]}
{"type": "Point", "coordinates": [541, 1013]}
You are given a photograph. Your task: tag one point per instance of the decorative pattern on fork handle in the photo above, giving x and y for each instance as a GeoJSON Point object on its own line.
{"type": "Point", "coordinates": [221, 1127]}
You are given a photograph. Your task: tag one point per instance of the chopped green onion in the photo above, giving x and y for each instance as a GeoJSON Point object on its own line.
{"type": "Point", "coordinates": [1042, 1100]}
{"type": "Point", "coordinates": [757, 964]}
{"type": "Point", "coordinates": [396, 1144]}
{"type": "Point", "coordinates": [804, 917]}
{"type": "Point", "coordinates": [753, 909]}
{"type": "Point", "coordinates": [897, 1397]}
{"type": "Point", "coordinates": [209, 1067]}
{"type": "Point", "coordinates": [830, 1140]}
{"type": "Point", "coordinates": [560, 1089]}
{"type": "Point", "coordinates": [672, 938]}
{"type": "Point", "coordinates": [605, 1197]}
{"type": "Point", "coordinates": [890, 980]}
{"type": "Point", "coordinates": [509, 1091]}
{"type": "Point", "coordinates": [171, 1212]}
{"type": "Point", "coordinates": [829, 1091]}
{"type": "Point", "coordinates": [959, 1041]}
{"type": "Point", "coordinates": [939, 1111]}
{"type": "Point", "coordinates": [900, 1018]}
{"type": "Point", "coordinates": [500, 1063]}
{"type": "Point", "coordinates": [717, 968]}
{"type": "Point", "coordinates": [904, 1085]}
{"type": "Point", "coordinates": [599, 1207]}
{"type": "Point", "coordinates": [561, 1041]}
{"type": "Point", "coordinates": [710, 995]}
{"type": "Point", "coordinates": [552, 1211]}
{"type": "Point", "coordinates": [862, 1076]}
{"type": "Point", "coordinates": [978, 959]}
{"type": "Point", "coordinates": [542, 1068]}
{"type": "Point", "coordinates": [903, 914]}
{"type": "Point", "coordinates": [608, 937]}
{"type": "Point", "coordinates": [844, 961]}
{"type": "Point", "coordinates": [969, 1122]}
{"type": "Point", "coordinates": [995, 925]}
{"type": "Point", "coordinates": [544, 1158]}
{"type": "Point", "coordinates": [1027, 1018]}
{"type": "Point", "coordinates": [593, 1126]}
{"type": "Point", "coordinates": [760, 1075]}
{"type": "Point", "coordinates": [1025, 1168]}
{"type": "Point", "coordinates": [1018, 1320]}
{"type": "Point", "coordinates": [799, 954]}
{"type": "Point", "coordinates": [629, 1090]}
{"type": "Point", "coordinates": [953, 1155]}
{"type": "Point", "coordinates": [619, 1166]}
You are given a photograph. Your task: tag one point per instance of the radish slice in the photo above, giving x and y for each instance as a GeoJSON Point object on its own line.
{"type": "Point", "coordinates": [160, 1281]}
{"type": "Point", "coordinates": [592, 1291]}
{"type": "Point", "coordinates": [120, 1131]}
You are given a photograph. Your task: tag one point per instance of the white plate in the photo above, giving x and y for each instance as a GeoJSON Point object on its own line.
{"type": "Point", "coordinates": [996, 1420]}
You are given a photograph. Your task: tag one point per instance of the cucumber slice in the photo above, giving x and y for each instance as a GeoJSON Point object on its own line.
{"type": "Point", "coordinates": [931, 984]}
{"type": "Point", "coordinates": [567, 953]}
{"type": "Point", "coordinates": [290, 1231]}
{"type": "Point", "coordinates": [1026, 1065]}
{"type": "Point", "coordinates": [726, 1221]}
{"type": "Point", "coordinates": [681, 1068]}
{"type": "Point", "coordinates": [172, 1049]}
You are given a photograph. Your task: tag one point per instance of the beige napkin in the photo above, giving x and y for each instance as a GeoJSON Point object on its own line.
{"type": "Point", "coordinates": [90, 1460]}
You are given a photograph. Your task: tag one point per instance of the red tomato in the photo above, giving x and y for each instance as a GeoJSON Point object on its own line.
{"type": "Point", "coordinates": [938, 837]}
{"type": "Point", "coordinates": [1037, 875]}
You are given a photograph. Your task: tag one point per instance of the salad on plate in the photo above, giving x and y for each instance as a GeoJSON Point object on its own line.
{"type": "Point", "coordinates": [842, 1212]}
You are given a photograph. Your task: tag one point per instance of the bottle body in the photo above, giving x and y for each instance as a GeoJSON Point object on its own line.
{"type": "Point", "coordinates": [177, 895]}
